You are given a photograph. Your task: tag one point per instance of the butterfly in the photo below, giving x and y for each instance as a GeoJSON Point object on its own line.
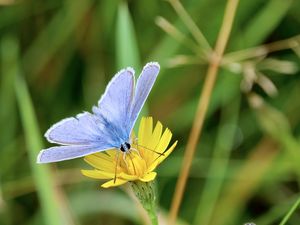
{"type": "Point", "coordinates": [109, 125]}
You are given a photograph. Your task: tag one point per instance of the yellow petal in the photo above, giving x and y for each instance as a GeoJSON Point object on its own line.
{"type": "Point", "coordinates": [156, 136]}
{"type": "Point", "coordinates": [145, 131]}
{"type": "Point", "coordinates": [167, 153]}
{"type": "Point", "coordinates": [112, 152]}
{"type": "Point", "coordinates": [113, 183]}
{"type": "Point", "coordinates": [161, 158]}
{"type": "Point", "coordinates": [100, 161]}
{"type": "Point", "coordinates": [161, 146]}
{"type": "Point", "coordinates": [148, 177]}
{"type": "Point", "coordinates": [139, 166]}
{"type": "Point", "coordinates": [128, 177]}
{"type": "Point", "coordinates": [164, 141]}
{"type": "Point", "coordinates": [150, 148]}
{"type": "Point", "coordinates": [96, 174]}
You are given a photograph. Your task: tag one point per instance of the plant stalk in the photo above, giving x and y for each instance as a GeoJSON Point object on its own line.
{"type": "Point", "coordinates": [203, 104]}
{"type": "Point", "coordinates": [145, 192]}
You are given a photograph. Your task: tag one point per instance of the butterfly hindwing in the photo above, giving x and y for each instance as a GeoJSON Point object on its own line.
{"type": "Point", "coordinates": [60, 153]}
{"type": "Point", "coordinates": [80, 130]}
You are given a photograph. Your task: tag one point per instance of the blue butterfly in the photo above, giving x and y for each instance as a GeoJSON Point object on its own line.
{"type": "Point", "coordinates": [110, 124]}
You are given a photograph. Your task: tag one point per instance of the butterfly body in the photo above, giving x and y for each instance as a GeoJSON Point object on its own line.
{"type": "Point", "coordinates": [109, 125]}
{"type": "Point", "coordinates": [125, 147]}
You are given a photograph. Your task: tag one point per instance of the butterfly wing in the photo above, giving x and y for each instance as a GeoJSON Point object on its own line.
{"type": "Point", "coordinates": [114, 106]}
{"type": "Point", "coordinates": [87, 133]}
{"type": "Point", "coordinates": [143, 87]}
{"type": "Point", "coordinates": [83, 132]}
{"type": "Point", "coordinates": [60, 153]}
{"type": "Point", "coordinates": [79, 130]}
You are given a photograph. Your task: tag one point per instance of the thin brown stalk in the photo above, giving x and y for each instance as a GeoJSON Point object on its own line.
{"type": "Point", "coordinates": [202, 106]}
{"type": "Point", "coordinates": [262, 50]}
{"type": "Point", "coordinates": [176, 34]}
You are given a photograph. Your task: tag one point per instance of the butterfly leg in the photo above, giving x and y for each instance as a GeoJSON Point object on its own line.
{"type": "Point", "coordinates": [116, 167]}
{"type": "Point", "coordinates": [132, 163]}
{"type": "Point", "coordinates": [124, 159]}
{"type": "Point", "coordinates": [135, 150]}
{"type": "Point", "coordinates": [135, 141]}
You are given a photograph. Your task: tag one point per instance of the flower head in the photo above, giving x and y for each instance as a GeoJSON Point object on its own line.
{"type": "Point", "coordinates": [139, 163]}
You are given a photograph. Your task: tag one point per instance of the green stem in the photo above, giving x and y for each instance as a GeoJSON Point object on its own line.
{"type": "Point", "coordinates": [153, 216]}
{"type": "Point", "coordinates": [288, 215]}
{"type": "Point", "coordinates": [145, 192]}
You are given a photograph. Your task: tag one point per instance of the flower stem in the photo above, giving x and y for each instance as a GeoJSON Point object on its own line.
{"type": "Point", "coordinates": [153, 216]}
{"type": "Point", "coordinates": [145, 192]}
{"type": "Point", "coordinates": [203, 104]}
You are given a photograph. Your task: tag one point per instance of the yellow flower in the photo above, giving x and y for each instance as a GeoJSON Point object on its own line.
{"type": "Point", "coordinates": [139, 164]}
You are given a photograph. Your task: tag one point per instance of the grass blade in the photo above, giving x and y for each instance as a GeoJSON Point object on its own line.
{"type": "Point", "coordinates": [223, 147]}
{"type": "Point", "coordinates": [290, 212]}
{"type": "Point", "coordinates": [127, 52]}
{"type": "Point", "coordinates": [269, 17]}
{"type": "Point", "coordinates": [7, 99]}
{"type": "Point", "coordinates": [59, 30]}
{"type": "Point", "coordinates": [51, 200]}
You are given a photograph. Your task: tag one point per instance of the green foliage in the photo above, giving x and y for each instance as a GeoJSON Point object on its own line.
{"type": "Point", "coordinates": [127, 53]}
{"type": "Point", "coordinates": [48, 193]}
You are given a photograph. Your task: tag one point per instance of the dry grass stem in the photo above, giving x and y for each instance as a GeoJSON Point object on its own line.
{"type": "Point", "coordinates": [170, 29]}
{"type": "Point", "coordinates": [202, 106]}
{"type": "Point", "coordinates": [258, 51]}
{"type": "Point", "coordinates": [180, 60]}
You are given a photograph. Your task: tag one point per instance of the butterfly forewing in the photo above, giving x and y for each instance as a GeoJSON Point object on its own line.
{"type": "Point", "coordinates": [143, 87]}
{"type": "Point", "coordinates": [114, 106]}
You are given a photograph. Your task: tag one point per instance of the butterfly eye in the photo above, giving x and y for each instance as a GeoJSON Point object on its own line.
{"type": "Point", "coordinates": [127, 145]}
{"type": "Point", "coordinates": [122, 148]}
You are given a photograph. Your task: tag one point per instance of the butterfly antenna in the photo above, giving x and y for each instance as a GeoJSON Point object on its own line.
{"type": "Point", "coordinates": [117, 162]}
{"type": "Point", "coordinates": [160, 154]}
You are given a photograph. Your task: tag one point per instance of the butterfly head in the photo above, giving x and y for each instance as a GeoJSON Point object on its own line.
{"type": "Point", "coordinates": [125, 147]}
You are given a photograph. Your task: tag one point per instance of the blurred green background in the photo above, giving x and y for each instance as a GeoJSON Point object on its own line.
{"type": "Point", "coordinates": [56, 58]}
